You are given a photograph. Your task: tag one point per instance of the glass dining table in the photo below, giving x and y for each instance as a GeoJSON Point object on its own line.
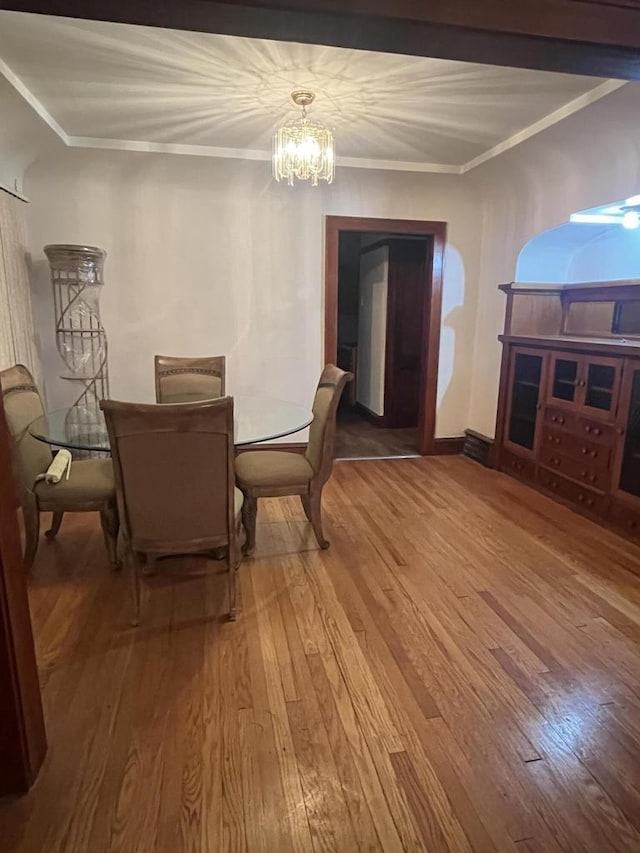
{"type": "Point", "coordinates": [256, 419]}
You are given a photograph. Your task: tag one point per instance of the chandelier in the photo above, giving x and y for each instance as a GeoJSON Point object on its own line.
{"type": "Point", "coordinates": [303, 149]}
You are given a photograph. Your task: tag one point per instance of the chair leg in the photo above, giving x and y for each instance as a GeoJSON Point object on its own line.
{"type": "Point", "coordinates": [56, 521]}
{"type": "Point", "coordinates": [233, 561]}
{"type": "Point", "coordinates": [315, 501]}
{"type": "Point", "coordinates": [304, 500]}
{"type": "Point", "coordinates": [31, 518]}
{"type": "Point", "coordinates": [110, 524]}
{"type": "Point", "coordinates": [134, 566]}
{"type": "Point", "coordinates": [249, 515]}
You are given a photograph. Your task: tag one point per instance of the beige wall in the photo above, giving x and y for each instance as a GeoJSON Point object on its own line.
{"type": "Point", "coordinates": [212, 256]}
{"type": "Point", "coordinates": [372, 329]}
{"type": "Point", "coordinates": [588, 159]}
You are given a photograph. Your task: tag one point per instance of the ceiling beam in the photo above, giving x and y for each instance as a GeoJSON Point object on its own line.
{"type": "Point", "coordinates": [593, 37]}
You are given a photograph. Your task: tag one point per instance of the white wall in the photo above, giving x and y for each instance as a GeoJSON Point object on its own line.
{"type": "Point", "coordinates": [23, 137]}
{"type": "Point", "coordinates": [372, 329]}
{"type": "Point", "coordinates": [212, 256]}
{"type": "Point", "coordinates": [584, 161]}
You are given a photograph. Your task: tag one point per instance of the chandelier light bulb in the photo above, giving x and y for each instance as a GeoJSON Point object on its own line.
{"type": "Point", "coordinates": [303, 149]}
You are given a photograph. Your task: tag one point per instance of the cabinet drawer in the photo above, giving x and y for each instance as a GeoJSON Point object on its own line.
{"type": "Point", "coordinates": [510, 463]}
{"type": "Point", "coordinates": [577, 447]}
{"type": "Point", "coordinates": [591, 475]}
{"type": "Point", "coordinates": [583, 498]}
{"type": "Point", "coordinates": [596, 431]}
{"type": "Point", "coordinates": [624, 517]}
{"type": "Point", "coordinates": [559, 418]}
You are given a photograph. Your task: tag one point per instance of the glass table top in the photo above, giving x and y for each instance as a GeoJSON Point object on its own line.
{"type": "Point", "coordinates": [255, 419]}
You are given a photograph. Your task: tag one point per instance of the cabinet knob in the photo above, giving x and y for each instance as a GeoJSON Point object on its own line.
{"type": "Point", "coordinates": [587, 428]}
{"type": "Point", "coordinates": [584, 473]}
{"type": "Point", "coordinates": [593, 454]}
{"type": "Point", "coordinates": [597, 431]}
{"type": "Point", "coordinates": [581, 383]}
{"type": "Point", "coordinates": [581, 498]}
{"type": "Point", "coordinates": [554, 419]}
{"type": "Point", "coordinates": [620, 430]}
{"type": "Point", "coordinates": [584, 450]}
{"type": "Point", "coordinates": [558, 440]}
{"type": "Point", "coordinates": [592, 477]}
{"type": "Point", "coordinates": [560, 420]}
{"type": "Point", "coordinates": [554, 484]}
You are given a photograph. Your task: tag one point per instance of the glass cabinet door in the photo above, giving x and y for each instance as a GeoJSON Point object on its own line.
{"type": "Point", "coordinates": [565, 375]}
{"type": "Point", "coordinates": [526, 376]}
{"type": "Point", "coordinates": [629, 480]}
{"type": "Point", "coordinates": [600, 383]}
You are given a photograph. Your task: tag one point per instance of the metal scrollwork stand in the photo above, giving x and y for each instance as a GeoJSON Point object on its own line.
{"type": "Point", "coordinates": [76, 278]}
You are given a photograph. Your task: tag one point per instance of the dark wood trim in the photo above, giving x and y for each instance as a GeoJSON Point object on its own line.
{"type": "Point", "coordinates": [606, 346]}
{"type": "Point", "coordinates": [22, 735]}
{"type": "Point", "coordinates": [478, 447]}
{"type": "Point", "coordinates": [595, 38]}
{"type": "Point", "coordinates": [377, 420]}
{"type": "Point", "coordinates": [448, 446]}
{"type": "Point", "coordinates": [433, 309]}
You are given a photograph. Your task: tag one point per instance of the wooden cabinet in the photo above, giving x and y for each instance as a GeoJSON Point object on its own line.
{"type": "Point", "coordinates": [569, 407]}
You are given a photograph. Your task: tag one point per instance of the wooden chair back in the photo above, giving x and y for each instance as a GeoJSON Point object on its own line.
{"type": "Point", "coordinates": [322, 432]}
{"type": "Point", "coordinates": [173, 467]}
{"type": "Point", "coordinates": [188, 380]}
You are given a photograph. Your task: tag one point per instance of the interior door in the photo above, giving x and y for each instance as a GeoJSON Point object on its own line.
{"type": "Point", "coordinates": [409, 266]}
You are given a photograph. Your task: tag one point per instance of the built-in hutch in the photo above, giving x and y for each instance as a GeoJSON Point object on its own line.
{"type": "Point", "coordinates": [569, 404]}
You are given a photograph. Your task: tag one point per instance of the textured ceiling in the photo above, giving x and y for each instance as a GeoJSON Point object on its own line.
{"type": "Point", "coordinates": [120, 82]}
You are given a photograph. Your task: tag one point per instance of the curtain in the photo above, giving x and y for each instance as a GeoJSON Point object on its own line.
{"type": "Point", "coordinates": [17, 333]}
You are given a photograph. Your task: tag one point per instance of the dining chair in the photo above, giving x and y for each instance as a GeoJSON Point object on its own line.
{"type": "Point", "coordinates": [173, 467]}
{"type": "Point", "coordinates": [90, 487]}
{"type": "Point", "coordinates": [187, 380]}
{"type": "Point", "coordinates": [276, 473]}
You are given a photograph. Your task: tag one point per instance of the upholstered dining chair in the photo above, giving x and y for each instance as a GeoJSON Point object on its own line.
{"type": "Point", "coordinates": [90, 487]}
{"type": "Point", "coordinates": [276, 473]}
{"type": "Point", "coordinates": [187, 380]}
{"type": "Point", "coordinates": [173, 467]}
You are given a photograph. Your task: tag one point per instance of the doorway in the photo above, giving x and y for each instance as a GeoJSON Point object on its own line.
{"type": "Point", "coordinates": [383, 288]}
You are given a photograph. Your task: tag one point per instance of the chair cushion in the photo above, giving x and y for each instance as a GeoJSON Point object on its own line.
{"type": "Point", "coordinates": [90, 480]}
{"type": "Point", "coordinates": [272, 468]}
{"type": "Point", "coordinates": [238, 501]}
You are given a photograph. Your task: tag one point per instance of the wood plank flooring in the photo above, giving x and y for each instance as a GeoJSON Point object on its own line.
{"type": "Point", "coordinates": [459, 672]}
{"type": "Point", "coordinates": [358, 438]}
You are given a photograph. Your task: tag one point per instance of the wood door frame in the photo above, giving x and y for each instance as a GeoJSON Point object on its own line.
{"type": "Point", "coordinates": [428, 445]}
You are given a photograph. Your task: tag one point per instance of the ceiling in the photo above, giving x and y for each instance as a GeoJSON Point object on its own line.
{"type": "Point", "coordinates": [122, 86]}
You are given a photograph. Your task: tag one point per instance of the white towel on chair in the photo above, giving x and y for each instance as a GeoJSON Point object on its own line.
{"type": "Point", "coordinates": [55, 472]}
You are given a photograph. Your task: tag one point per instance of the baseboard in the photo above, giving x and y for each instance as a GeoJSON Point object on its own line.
{"type": "Point", "coordinates": [478, 447]}
{"type": "Point", "coordinates": [377, 420]}
{"type": "Point", "coordinates": [289, 447]}
{"type": "Point", "coordinates": [447, 446]}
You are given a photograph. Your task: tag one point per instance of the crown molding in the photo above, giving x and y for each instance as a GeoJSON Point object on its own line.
{"type": "Point", "coordinates": [549, 120]}
{"type": "Point", "coordinates": [36, 105]}
{"type": "Point", "coordinates": [568, 109]}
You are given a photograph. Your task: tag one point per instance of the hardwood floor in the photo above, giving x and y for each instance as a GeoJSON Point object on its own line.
{"type": "Point", "coordinates": [459, 672]}
{"type": "Point", "coordinates": [358, 438]}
